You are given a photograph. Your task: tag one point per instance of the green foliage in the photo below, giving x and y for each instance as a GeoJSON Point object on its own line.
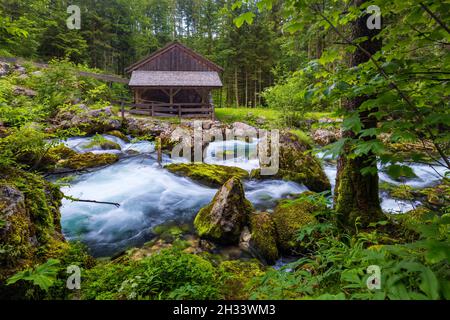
{"type": "Point", "coordinates": [43, 275]}
{"type": "Point", "coordinates": [169, 274]}
{"type": "Point", "coordinates": [336, 266]}
{"type": "Point", "coordinates": [25, 145]}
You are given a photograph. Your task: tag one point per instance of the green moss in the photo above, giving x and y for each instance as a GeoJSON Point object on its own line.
{"type": "Point", "coordinates": [298, 164]}
{"type": "Point", "coordinates": [348, 199]}
{"type": "Point", "coordinates": [223, 219]}
{"type": "Point", "coordinates": [411, 219]}
{"type": "Point", "coordinates": [32, 232]}
{"type": "Point", "coordinates": [170, 231]}
{"type": "Point", "coordinates": [402, 191]}
{"type": "Point", "coordinates": [237, 276]}
{"type": "Point", "coordinates": [437, 197]}
{"type": "Point", "coordinates": [264, 236]}
{"type": "Point", "coordinates": [208, 174]}
{"type": "Point", "coordinates": [61, 152]}
{"type": "Point", "coordinates": [55, 154]}
{"type": "Point", "coordinates": [118, 134]}
{"type": "Point", "coordinates": [103, 143]}
{"type": "Point", "coordinates": [204, 226]}
{"type": "Point", "coordinates": [291, 215]}
{"type": "Point", "coordinates": [302, 136]}
{"type": "Point", "coordinates": [88, 160]}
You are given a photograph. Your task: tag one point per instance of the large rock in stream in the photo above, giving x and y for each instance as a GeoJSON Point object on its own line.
{"type": "Point", "coordinates": [296, 163]}
{"type": "Point", "coordinates": [209, 174]}
{"type": "Point", "coordinates": [261, 238]}
{"type": "Point", "coordinates": [289, 216]}
{"type": "Point", "coordinates": [225, 217]}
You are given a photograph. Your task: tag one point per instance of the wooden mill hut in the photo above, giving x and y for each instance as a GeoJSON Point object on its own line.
{"type": "Point", "coordinates": [174, 81]}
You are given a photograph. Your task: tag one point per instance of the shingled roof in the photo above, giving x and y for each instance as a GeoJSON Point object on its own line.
{"type": "Point", "coordinates": [175, 79]}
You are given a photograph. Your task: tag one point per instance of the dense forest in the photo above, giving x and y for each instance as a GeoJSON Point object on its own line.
{"type": "Point", "coordinates": [115, 34]}
{"type": "Point", "coordinates": [358, 91]}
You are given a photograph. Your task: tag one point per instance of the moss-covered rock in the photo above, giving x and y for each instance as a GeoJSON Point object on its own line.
{"type": "Point", "coordinates": [224, 218]}
{"type": "Point", "coordinates": [437, 197]}
{"type": "Point", "coordinates": [237, 276]}
{"type": "Point", "coordinates": [107, 145]}
{"type": "Point", "coordinates": [291, 215]}
{"type": "Point", "coordinates": [61, 152]}
{"type": "Point", "coordinates": [296, 163]}
{"type": "Point", "coordinates": [299, 177]}
{"type": "Point", "coordinates": [88, 160]}
{"type": "Point", "coordinates": [263, 240]}
{"type": "Point", "coordinates": [403, 191]}
{"type": "Point", "coordinates": [118, 134]}
{"type": "Point", "coordinates": [100, 142]}
{"type": "Point", "coordinates": [208, 174]}
{"type": "Point", "coordinates": [87, 120]}
{"type": "Point", "coordinates": [54, 155]}
{"type": "Point", "coordinates": [171, 231]}
{"type": "Point", "coordinates": [30, 230]}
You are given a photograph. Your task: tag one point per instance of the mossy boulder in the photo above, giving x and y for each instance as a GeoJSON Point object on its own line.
{"type": "Point", "coordinates": [87, 120]}
{"type": "Point", "coordinates": [299, 177]}
{"type": "Point", "coordinates": [54, 155]}
{"type": "Point", "coordinates": [224, 218]}
{"type": "Point", "coordinates": [401, 191]}
{"type": "Point", "coordinates": [118, 134]}
{"type": "Point", "coordinates": [171, 231]}
{"type": "Point", "coordinates": [30, 230]}
{"type": "Point", "coordinates": [296, 163]}
{"type": "Point", "coordinates": [61, 152]}
{"type": "Point", "coordinates": [100, 142]}
{"type": "Point", "coordinates": [105, 145]}
{"type": "Point", "coordinates": [237, 276]}
{"type": "Point", "coordinates": [289, 216]}
{"type": "Point", "coordinates": [437, 197]}
{"type": "Point", "coordinates": [88, 160]}
{"type": "Point", "coordinates": [209, 174]}
{"type": "Point", "coordinates": [263, 241]}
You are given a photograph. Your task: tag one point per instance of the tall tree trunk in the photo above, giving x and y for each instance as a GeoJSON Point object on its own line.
{"type": "Point", "coordinates": [356, 195]}
{"type": "Point", "coordinates": [236, 87]}
{"type": "Point", "coordinates": [246, 89]}
{"type": "Point", "coordinates": [260, 87]}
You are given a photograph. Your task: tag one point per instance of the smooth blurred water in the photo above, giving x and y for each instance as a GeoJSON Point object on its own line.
{"type": "Point", "coordinates": [150, 195]}
{"type": "Point", "coordinates": [426, 175]}
{"type": "Point", "coordinates": [233, 153]}
{"type": "Point", "coordinates": [81, 145]}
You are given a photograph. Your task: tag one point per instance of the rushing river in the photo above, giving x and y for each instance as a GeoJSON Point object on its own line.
{"type": "Point", "coordinates": [150, 195]}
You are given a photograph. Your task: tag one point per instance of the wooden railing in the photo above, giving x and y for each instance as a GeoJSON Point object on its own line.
{"type": "Point", "coordinates": [159, 109]}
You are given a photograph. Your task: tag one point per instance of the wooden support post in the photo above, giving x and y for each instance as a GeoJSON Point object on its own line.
{"type": "Point", "coordinates": [122, 111]}
{"type": "Point", "coordinates": [159, 150]}
{"type": "Point", "coordinates": [171, 97]}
